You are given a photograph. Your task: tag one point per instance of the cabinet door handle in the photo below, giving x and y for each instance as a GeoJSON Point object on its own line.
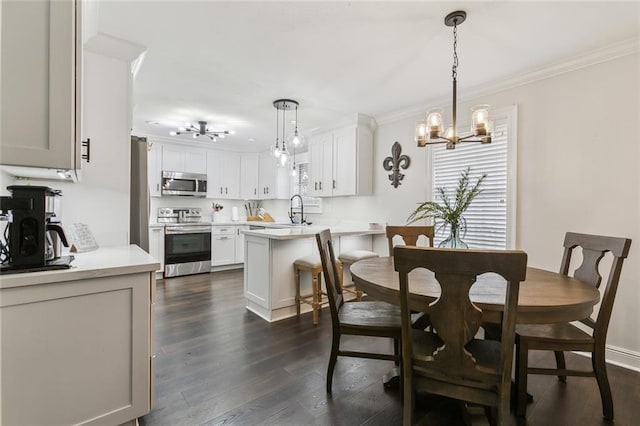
{"type": "Point", "coordinates": [334, 184]}
{"type": "Point", "coordinates": [255, 191]}
{"type": "Point", "coordinates": [224, 238]}
{"type": "Point", "coordinates": [87, 144]}
{"type": "Point", "coordinates": [226, 190]}
{"type": "Point", "coordinates": [320, 184]}
{"type": "Point", "coordinates": [315, 185]}
{"type": "Point", "coordinates": [220, 190]}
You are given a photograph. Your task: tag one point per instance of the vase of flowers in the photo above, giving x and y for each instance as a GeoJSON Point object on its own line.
{"type": "Point", "coordinates": [448, 213]}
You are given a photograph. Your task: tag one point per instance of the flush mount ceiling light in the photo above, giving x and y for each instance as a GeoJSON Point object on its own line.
{"type": "Point", "coordinates": [429, 131]}
{"type": "Point", "coordinates": [201, 130]}
{"type": "Point", "coordinates": [281, 152]}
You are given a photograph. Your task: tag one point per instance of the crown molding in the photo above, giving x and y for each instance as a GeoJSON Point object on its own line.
{"type": "Point", "coordinates": [594, 57]}
{"type": "Point", "coordinates": [193, 143]}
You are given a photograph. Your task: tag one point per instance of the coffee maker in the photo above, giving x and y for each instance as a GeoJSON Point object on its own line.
{"type": "Point", "coordinates": [34, 232]}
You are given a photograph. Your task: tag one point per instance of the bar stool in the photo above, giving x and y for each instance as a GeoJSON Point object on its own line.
{"type": "Point", "coordinates": [346, 259]}
{"type": "Point", "coordinates": [313, 265]}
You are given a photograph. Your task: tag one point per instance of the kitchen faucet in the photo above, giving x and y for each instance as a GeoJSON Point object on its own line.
{"type": "Point", "coordinates": [291, 212]}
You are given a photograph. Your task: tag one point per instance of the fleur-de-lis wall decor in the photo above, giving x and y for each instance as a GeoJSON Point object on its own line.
{"type": "Point", "coordinates": [394, 163]}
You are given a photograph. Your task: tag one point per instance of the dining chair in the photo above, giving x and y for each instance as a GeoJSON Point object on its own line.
{"type": "Point", "coordinates": [410, 236]}
{"type": "Point", "coordinates": [562, 337]}
{"type": "Point", "coordinates": [368, 318]}
{"type": "Point", "coordinates": [449, 360]}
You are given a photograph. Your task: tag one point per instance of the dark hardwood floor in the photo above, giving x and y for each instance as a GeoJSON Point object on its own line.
{"type": "Point", "coordinates": [217, 363]}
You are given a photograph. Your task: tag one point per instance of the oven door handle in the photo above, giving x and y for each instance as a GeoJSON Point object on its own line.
{"type": "Point", "coordinates": [187, 230]}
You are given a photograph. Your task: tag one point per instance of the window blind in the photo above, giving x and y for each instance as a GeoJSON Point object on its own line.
{"type": "Point", "coordinates": [487, 215]}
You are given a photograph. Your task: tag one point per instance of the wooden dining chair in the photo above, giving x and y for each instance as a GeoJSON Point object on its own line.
{"type": "Point", "coordinates": [449, 360]}
{"type": "Point", "coordinates": [562, 337]}
{"type": "Point", "coordinates": [371, 318]}
{"type": "Point", "coordinates": [409, 234]}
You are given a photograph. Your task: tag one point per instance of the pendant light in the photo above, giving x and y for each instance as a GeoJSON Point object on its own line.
{"type": "Point", "coordinates": [282, 153]}
{"type": "Point", "coordinates": [429, 132]}
{"type": "Point", "coordinates": [296, 139]}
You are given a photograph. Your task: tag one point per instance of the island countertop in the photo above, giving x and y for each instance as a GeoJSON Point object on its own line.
{"type": "Point", "coordinates": [104, 262]}
{"type": "Point", "coordinates": [294, 232]}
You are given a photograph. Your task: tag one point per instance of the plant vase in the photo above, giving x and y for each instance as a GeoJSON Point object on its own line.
{"type": "Point", "coordinates": [453, 241]}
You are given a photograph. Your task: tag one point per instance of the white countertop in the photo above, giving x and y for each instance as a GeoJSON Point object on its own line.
{"type": "Point", "coordinates": [104, 262]}
{"type": "Point", "coordinates": [293, 232]}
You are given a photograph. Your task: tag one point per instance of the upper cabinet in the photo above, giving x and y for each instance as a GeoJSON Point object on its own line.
{"type": "Point", "coordinates": [40, 80]}
{"type": "Point", "coordinates": [176, 158]}
{"type": "Point", "coordinates": [223, 175]}
{"type": "Point", "coordinates": [249, 164]}
{"type": "Point", "coordinates": [341, 162]}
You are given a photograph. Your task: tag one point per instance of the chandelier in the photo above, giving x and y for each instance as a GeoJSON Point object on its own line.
{"type": "Point", "coordinates": [201, 130]}
{"type": "Point", "coordinates": [429, 131]}
{"type": "Point", "coordinates": [280, 152]}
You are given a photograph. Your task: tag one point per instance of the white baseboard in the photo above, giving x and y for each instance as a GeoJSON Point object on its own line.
{"type": "Point", "coordinates": [621, 357]}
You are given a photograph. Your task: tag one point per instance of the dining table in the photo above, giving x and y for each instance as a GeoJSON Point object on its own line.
{"type": "Point", "coordinates": [545, 297]}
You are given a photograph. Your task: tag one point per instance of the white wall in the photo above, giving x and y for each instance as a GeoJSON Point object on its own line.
{"type": "Point", "coordinates": [578, 159]}
{"type": "Point", "coordinates": [101, 199]}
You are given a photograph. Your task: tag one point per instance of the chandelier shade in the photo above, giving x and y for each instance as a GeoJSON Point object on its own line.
{"type": "Point", "coordinates": [431, 131]}
{"type": "Point", "coordinates": [201, 130]}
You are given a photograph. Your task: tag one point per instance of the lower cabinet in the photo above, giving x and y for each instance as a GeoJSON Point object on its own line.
{"type": "Point", "coordinates": [78, 352]}
{"type": "Point", "coordinates": [240, 243]}
{"type": "Point", "coordinates": [223, 245]}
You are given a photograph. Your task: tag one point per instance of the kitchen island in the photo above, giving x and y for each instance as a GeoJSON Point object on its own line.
{"type": "Point", "coordinates": [269, 279]}
{"type": "Point", "coordinates": [77, 344]}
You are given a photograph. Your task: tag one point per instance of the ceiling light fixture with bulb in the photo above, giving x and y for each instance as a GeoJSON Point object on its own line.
{"type": "Point", "coordinates": [281, 153]}
{"type": "Point", "coordinates": [201, 130]}
{"type": "Point", "coordinates": [429, 131]}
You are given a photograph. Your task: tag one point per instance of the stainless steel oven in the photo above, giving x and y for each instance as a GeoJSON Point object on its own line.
{"type": "Point", "coordinates": [187, 249]}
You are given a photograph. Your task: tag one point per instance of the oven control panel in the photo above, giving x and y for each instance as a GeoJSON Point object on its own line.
{"type": "Point", "coordinates": [179, 214]}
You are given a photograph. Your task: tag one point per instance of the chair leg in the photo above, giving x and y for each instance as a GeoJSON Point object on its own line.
{"type": "Point", "coordinates": [335, 347]}
{"type": "Point", "coordinates": [491, 414]}
{"type": "Point", "coordinates": [297, 278]}
{"type": "Point", "coordinates": [396, 350]}
{"type": "Point", "coordinates": [408, 403]}
{"type": "Point", "coordinates": [522, 364]}
{"type": "Point", "coordinates": [316, 302]}
{"type": "Point", "coordinates": [560, 364]}
{"type": "Point", "coordinates": [600, 370]}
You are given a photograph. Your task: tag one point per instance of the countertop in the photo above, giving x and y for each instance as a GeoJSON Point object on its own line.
{"type": "Point", "coordinates": [104, 262]}
{"type": "Point", "coordinates": [293, 232]}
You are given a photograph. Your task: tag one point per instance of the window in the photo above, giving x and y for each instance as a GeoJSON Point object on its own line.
{"type": "Point", "coordinates": [491, 215]}
{"type": "Point", "coordinates": [300, 182]}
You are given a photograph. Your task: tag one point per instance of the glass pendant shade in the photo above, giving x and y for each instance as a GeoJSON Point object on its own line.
{"type": "Point", "coordinates": [434, 123]}
{"type": "Point", "coordinates": [480, 120]}
{"type": "Point", "coordinates": [296, 138]}
{"type": "Point", "coordinates": [421, 133]}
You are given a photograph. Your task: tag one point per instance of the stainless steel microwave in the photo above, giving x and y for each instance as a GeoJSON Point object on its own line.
{"type": "Point", "coordinates": [179, 183]}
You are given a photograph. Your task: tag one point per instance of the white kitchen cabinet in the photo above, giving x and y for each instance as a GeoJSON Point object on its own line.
{"type": "Point", "coordinates": [40, 69]}
{"type": "Point", "coordinates": [154, 168]}
{"type": "Point", "coordinates": [249, 164]}
{"type": "Point", "coordinates": [341, 162]}
{"type": "Point", "coordinates": [223, 249]}
{"type": "Point", "coordinates": [156, 244]}
{"type": "Point", "coordinates": [273, 181]}
{"type": "Point", "coordinates": [176, 158]}
{"type": "Point", "coordinates": [77, 332]}
{"type": "Point", "coordinates": [240, 242]}
{"type": "Point", "coordinates": [223, 175]}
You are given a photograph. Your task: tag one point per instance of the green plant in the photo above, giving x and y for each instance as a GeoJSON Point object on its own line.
{"type": "Point", "coordinates": [449, 212]}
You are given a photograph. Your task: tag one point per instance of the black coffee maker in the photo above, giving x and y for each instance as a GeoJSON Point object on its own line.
{"type": "Point", "coordinates": [34, 229]}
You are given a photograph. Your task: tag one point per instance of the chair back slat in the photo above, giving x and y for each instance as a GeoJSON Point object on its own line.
{"type": "Point", "coordinates": [409, 234]}
{"type": "Point", "coordinates": [454, 317]}
{"type": "Point", "coordinates": [331, 273]}
{"type": "Point", "coordinates": [594, 247]}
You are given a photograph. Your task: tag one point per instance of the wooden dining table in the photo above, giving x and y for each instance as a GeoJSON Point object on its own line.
{"type": "Point", "coordinates": [545, 297]}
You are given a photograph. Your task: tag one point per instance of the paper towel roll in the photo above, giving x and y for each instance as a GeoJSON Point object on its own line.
{"type": "Point", "coordinates": [234, 213]}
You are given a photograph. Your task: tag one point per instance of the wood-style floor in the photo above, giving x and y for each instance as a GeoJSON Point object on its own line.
{"type": "Point", "coordinates": [217, 363]}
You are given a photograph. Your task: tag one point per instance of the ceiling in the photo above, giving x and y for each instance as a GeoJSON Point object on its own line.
{"type": "Point", "coordinates": [226, 62]}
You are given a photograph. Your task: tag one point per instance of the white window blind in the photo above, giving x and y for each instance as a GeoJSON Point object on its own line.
{"type": "Point", "coordinates": [300, 186]}
{"type": "Point", "coordinates": [487, 215]}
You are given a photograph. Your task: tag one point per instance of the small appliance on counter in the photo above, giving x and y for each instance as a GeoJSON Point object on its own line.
{"type": "Point", "coordinates": [34, 237]}
{"type": "Point", "coordinates": [187, 241]}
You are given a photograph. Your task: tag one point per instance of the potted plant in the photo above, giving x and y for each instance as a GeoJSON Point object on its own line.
{"type": "Point", "coordinates": [449, 212]}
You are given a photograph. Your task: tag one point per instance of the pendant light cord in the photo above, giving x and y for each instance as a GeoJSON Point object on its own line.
{"type": "Point", "coordinates": [454, 68]}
